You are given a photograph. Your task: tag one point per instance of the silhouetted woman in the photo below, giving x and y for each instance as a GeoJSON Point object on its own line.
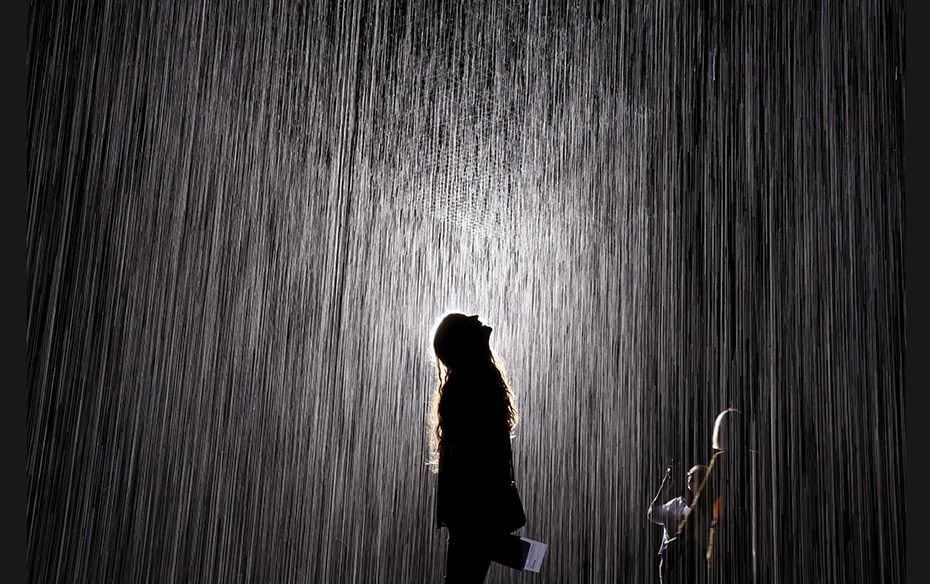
{"type": "Point", "coordinates": [731, 555]}
{"type": "Point", "coordinates": [472, 422]}
{"type": "Point", "coordinates": [718, 529]}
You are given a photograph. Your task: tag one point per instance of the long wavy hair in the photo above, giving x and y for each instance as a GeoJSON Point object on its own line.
{"type": "Point", "coordinates": [462, 354]}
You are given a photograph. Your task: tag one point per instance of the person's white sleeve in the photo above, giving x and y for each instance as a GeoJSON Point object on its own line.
{"type": "Point", "coordinates": [659, 514]}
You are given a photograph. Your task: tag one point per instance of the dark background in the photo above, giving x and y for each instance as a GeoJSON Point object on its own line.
{"type": "Point", "coordinates": [243, 220]}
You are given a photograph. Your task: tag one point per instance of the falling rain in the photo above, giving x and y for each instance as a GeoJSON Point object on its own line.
{"type": "Point", "coordinates": [244, 219]}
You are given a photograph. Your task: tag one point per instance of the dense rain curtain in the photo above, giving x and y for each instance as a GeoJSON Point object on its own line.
{"type": "Point", "coordinates": [243, 220]}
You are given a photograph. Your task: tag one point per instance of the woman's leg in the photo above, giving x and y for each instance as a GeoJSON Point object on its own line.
{"type": "Point", "coordinates": [467, 559]}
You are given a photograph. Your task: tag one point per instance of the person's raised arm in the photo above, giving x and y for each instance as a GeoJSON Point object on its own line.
{"type": "Point", "coordinates": [654, 504]}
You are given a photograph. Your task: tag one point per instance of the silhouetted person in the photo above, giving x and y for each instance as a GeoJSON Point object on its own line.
{"type": "Point", "coordinates": [670, 515]}
{"type": "Point", "coordinates": [730, 554]}
{"type": "Point", "coordinates": [717, 530]}
{"type": "Point", "coordinates": [691, 537]}
{"type": "Point", "coordinates": [476, 498]}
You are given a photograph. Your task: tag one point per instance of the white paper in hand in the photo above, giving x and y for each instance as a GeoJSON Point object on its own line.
{"type": "Point", "coordinates": [535, 556]}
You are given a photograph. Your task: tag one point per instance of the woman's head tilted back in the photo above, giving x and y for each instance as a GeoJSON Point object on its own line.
{"type": "Point", "coordinates": [470, 381]}
{"type": "Point", "coordinates": [461, 343]}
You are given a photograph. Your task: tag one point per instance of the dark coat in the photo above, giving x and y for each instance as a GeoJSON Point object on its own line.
{"type": "Point", "coordinates": [475, 458]}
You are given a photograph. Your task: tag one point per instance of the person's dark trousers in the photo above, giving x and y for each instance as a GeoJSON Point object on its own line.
{"type": "Point", "coordinates": [670, 571]}
{"type": "Point", "coordinates": [468, 557]}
